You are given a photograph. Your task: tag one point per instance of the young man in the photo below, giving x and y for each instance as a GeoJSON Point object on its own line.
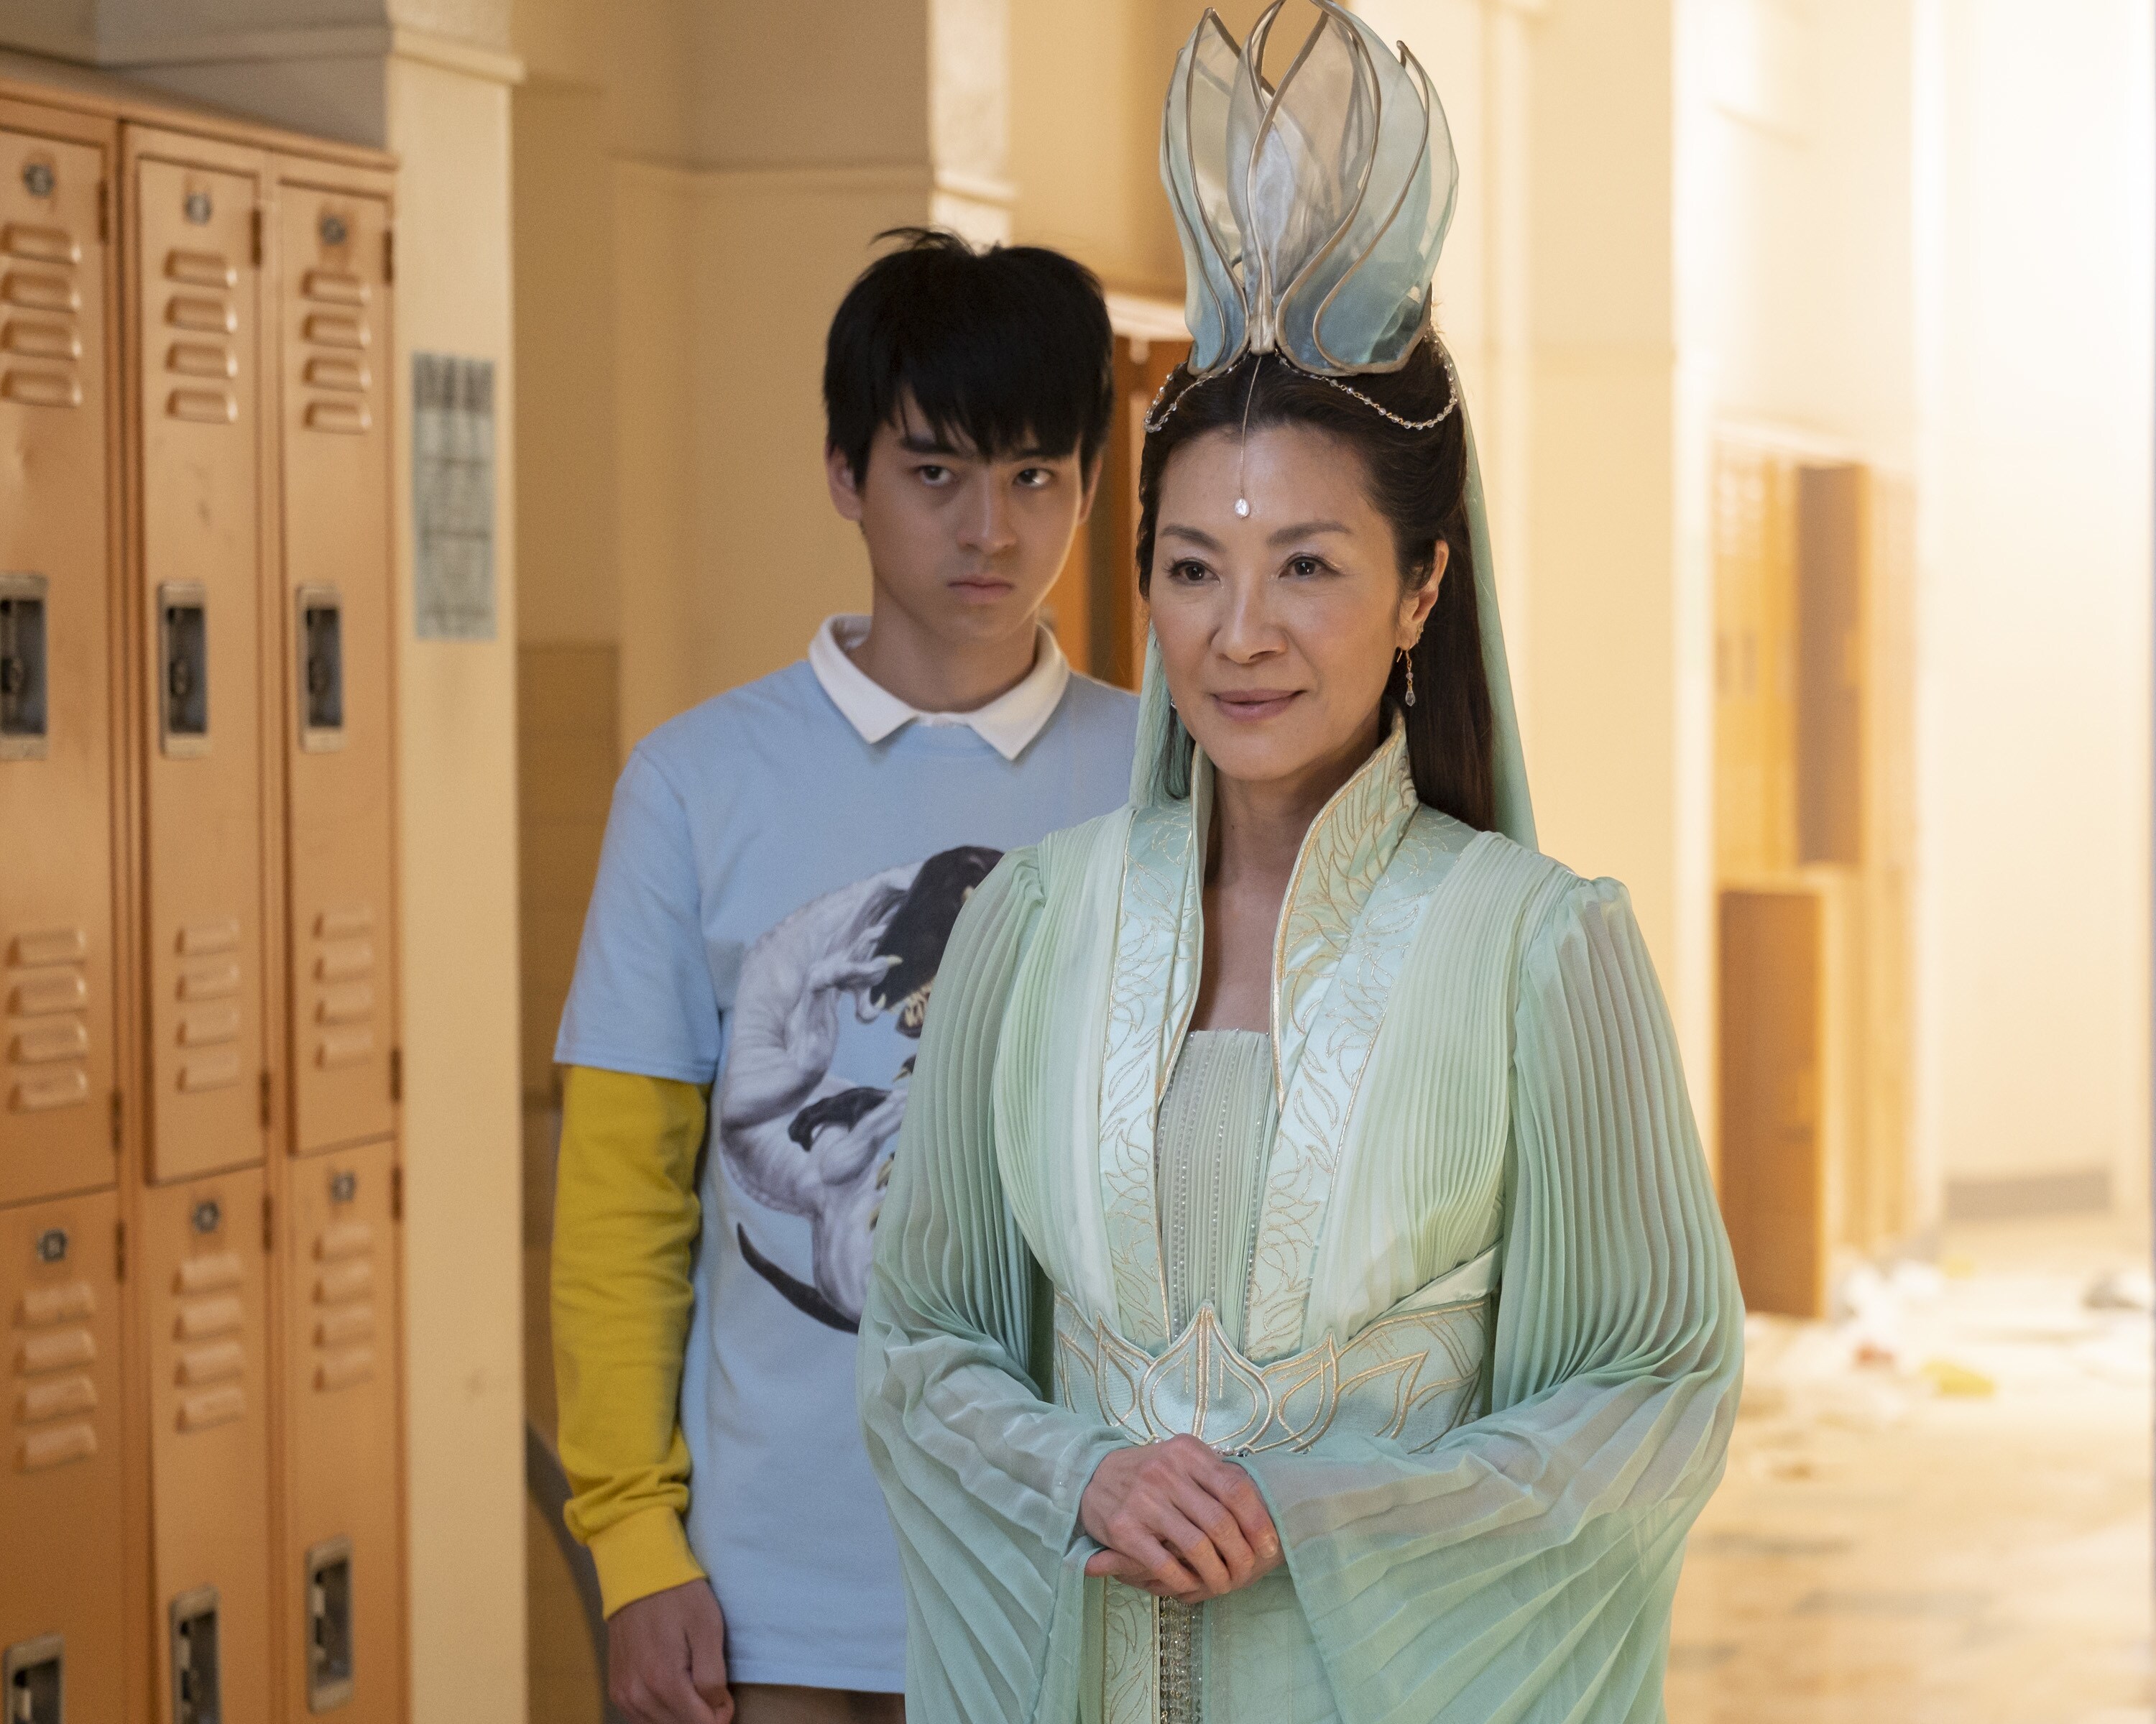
{"type": "Point", "coordinates": [781, 867]}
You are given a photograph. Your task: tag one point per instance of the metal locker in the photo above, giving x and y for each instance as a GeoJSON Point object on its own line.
{"type": "Point", "coordinates": [339, 1578]}
{"type": "Point", "coordinates": [203, 1292]}
{"type": "Point", "coordinates": [1832, 536]}
{"type": "Point", "coordinates": [334, 333]}
{"type": "Point", "coordinates": [1755, 714]}
{"type": "Point", "coordinates": [195, 311]}
{"type": "Point", "coordinates": [1774, 1177]}
{"type": "Point", "coordinates": [63, 1589]}
{"type": "Point", "coordinates": [57, 1006]}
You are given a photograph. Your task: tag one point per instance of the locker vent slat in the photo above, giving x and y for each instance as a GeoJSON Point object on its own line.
{"type": "Point", "coordinates": [48, 993]}
{"type": "Point", "coordinates": [40, 307]}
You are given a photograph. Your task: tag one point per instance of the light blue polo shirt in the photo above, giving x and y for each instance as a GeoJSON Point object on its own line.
{"type": "Point", "coordinates": [781, 867]}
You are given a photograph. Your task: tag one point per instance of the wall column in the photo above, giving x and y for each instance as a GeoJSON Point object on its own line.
{"type": "Point", "coordinates": [1618, 652]}
{"type": "Point", "coordinates": [450, 128]}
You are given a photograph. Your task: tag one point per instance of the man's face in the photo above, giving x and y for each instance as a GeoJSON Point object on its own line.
{"type": "Point", "coordinates": [967, 545]}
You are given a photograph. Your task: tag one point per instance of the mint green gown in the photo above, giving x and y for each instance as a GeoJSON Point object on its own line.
{"type": "Point", "coordinates": [1450, 1281]}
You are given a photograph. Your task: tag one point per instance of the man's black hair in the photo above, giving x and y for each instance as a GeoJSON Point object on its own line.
{"type": "Point", "coordinates": [1003, 352]}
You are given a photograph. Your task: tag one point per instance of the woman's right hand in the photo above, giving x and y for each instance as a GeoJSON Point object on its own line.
{"type": "Point", "coordinates": [1177, 1521]}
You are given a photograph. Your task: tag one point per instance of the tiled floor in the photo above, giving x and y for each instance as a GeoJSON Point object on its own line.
{"type": "Point", "coordinates": [1895, 1545]}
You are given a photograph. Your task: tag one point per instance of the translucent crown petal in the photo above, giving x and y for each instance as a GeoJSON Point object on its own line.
{"type": "Point", "coordinates": [1311, 215]}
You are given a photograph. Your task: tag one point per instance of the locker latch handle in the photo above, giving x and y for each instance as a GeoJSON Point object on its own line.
{"type": "Point", "coordinates": [183, 686]}
{"type": "Point", "coordinates": [22, 667]}
{"type": "Point", "coordinates": [321, 669]}
{"type": "Point", "coordinates": [34, 1677]}
{"type": "Point", "coordinates": [329, 1647]}
{"type": "Point", "coordinates": [197, 1686]}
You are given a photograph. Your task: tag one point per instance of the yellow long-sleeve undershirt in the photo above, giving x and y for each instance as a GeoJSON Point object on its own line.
{"type": "Point", "coordinates": [625, 1220]}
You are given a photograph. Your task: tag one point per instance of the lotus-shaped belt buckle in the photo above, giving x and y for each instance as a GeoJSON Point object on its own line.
{"type": "Point", "coordinates": [1408, 1379]}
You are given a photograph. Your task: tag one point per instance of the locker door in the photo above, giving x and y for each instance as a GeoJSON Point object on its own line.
{"type": "Point", "coordinates": [1755, 662]}
{"type": "Point", "coordinates": [334, 333]}
{"type": "Point", "coordinates": [56, 948]}
{"type": "Point", "coordinates": [196, 284]}
{"type": "Point", "coordinates": [1832, 531]}
{"type": "Point", "coordinates": [1774, 1158]}
{"type": "Point", "coordinates": [62, 1588]}
{"type": "Point", "coordinates": [339, 1585]}
{"type": "Point", "coordinates": [202, 1290]}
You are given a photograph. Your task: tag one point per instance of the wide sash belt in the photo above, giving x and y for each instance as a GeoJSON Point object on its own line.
{"type": "Point", "coordinates": [1408, 1377]}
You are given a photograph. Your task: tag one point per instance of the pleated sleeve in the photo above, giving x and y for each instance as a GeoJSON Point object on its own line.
{"type": "Point", "coordinates": [981, 1473]}
{"type": "Point", "coordinates": [1523, 1569]}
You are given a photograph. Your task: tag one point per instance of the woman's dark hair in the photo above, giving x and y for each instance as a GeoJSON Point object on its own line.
{"type": "Point", "coordinates": [1418, 481]}
{"type": "Point", "coordinates": [1003, 350]}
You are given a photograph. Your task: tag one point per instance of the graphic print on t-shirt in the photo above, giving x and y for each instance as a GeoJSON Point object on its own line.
{"type": "Point", "coordinates": [795, 1136]}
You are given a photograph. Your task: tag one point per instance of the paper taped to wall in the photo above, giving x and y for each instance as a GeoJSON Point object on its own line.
{"type": "Point", "coordinates": [453, 497]}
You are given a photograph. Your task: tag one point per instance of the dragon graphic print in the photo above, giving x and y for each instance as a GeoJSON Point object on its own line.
{"type": "Point", "coordinates": [793, 1136]}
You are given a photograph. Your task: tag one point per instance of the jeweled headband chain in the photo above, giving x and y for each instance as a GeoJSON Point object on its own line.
{"type": "Point", "coordinates": [1157, 416]}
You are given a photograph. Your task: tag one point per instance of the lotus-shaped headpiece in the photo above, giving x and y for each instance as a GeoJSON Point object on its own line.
{"type": "Point", "coordinates": [1310, 215]}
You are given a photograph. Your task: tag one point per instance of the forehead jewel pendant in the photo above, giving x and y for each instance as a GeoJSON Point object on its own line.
{"type": "Point", "coordinates": [1243, 453]}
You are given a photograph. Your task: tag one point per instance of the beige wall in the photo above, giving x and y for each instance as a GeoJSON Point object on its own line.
{"type": "Point", "coordinates": [2033, 684]}
{"type": "Point", "coordinates": [1086, 87]}
{"type": "Point", "coordinates": [1920, 232]}
{"type": "Point", "coordinates": [1614, 633]}
{"type": "Point", "coordinates": [838, 86]}
{"type": "Point", "coordinates": [568, 586]}
{"type": "Point", "coordinates": [655, 461]}
{"type": "Point", "coordinates": [1084, 139]}
{"type": "Point", "coordinates": [1797, 201]}
{"type": "Point", "coordinates": [67, 29]}
{"type": "Point", "coordinates": [772, 255]}
{"type": "Point", "coordinates": [633, 58]}
{"type": "Point", "coordinates": [735, 176]}
{"type": "Point", "coordinates": [458, 819]}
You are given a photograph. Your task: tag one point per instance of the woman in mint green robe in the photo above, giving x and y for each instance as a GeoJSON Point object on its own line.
{"type": "Point", "coordinates": [1522, 1118]}
{"type": "Point", "coordinates": [1435, 1257]}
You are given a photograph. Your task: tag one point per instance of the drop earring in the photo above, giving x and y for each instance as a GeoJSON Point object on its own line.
{"type": "Point", "coordinates": [1407, 658]}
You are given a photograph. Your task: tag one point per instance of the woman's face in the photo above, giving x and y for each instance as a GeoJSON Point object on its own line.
{"type": "Point", "coordinates": [1278, 628]}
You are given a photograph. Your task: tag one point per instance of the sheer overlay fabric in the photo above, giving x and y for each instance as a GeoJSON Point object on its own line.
{"type": "Point", "coordinates": [1522, 1567]}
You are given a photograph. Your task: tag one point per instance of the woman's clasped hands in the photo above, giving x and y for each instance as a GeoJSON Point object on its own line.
{"type": "Point", "coordinates": [1177, 1521]}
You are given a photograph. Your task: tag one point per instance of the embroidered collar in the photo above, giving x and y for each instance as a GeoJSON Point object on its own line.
{"type": "Point", "coordinates": [1364, 875]}
{"type": "Point", "coordinates": [1341, 859]}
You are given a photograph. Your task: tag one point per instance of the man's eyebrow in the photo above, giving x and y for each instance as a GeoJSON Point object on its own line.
{"type": "Point", "coordinates": [927, 443]}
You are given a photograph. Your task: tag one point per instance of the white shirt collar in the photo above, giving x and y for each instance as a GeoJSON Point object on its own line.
{"type": "Point", "coordinates": [1006, 724]}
